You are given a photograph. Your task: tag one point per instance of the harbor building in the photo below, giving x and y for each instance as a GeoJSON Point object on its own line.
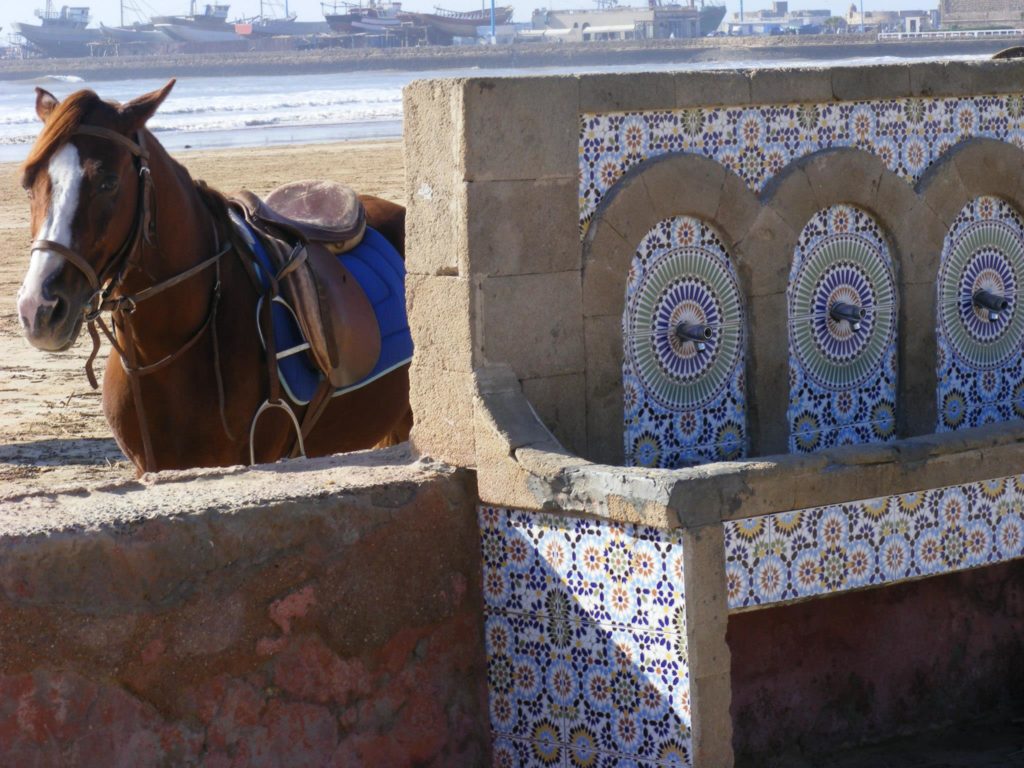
{"type": "Point", "coordinates": [778, 20]}
{"type": "Point", "coordinates": [911, 21]}
{"type": "Point", "coordinates": [619, 22]}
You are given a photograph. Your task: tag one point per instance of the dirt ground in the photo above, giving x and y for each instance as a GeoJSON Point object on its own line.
{"type": "Point", "coordinates": [52, 430]}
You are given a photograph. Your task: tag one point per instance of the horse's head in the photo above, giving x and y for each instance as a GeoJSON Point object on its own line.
{"type": "Point", "coordinates": [83, 180]}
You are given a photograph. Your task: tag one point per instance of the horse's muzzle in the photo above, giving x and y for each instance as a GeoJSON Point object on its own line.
{"type": "Point", "coordinates": [50, 322]}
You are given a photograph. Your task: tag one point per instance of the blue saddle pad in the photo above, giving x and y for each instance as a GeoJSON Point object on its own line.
{"type": "Point", "coordinates": [379, 269]}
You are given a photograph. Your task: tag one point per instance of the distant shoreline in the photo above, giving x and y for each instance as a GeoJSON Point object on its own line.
{"type": "Point", "coordinates": [525, 55]}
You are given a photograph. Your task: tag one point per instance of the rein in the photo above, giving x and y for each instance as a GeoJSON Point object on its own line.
{"type": "Point", "coordinates": [121, 307]}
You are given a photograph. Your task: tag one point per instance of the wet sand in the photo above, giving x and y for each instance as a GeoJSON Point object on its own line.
{"type": "Point", "coordinates": [52, 430]}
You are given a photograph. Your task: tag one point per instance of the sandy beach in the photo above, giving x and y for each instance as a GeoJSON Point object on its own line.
{"type": "Point", "coordinates": [52, 430]}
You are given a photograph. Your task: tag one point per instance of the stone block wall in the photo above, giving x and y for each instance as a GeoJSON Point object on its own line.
{"type": "Point", "coordinates": [553, 195]}
{"type": "Point", "coordinates": [328, 614]}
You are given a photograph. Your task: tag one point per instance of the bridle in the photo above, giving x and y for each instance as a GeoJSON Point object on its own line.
{"type": "Point", "coordinates": [110, 278]}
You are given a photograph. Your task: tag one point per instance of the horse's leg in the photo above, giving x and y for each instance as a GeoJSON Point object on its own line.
{"type": "Point", "coordinates": [400, 433]}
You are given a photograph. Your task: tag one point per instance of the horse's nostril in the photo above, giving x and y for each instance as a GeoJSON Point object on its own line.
{"type": "Point", "coordinates": [59, 310]}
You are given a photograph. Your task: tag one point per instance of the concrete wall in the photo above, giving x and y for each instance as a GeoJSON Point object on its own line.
{"type": "Point", "coordinates": [326, 614]}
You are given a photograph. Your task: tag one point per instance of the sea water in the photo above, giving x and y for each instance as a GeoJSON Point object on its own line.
{"type": "Point", "coordinates": [247, 111]}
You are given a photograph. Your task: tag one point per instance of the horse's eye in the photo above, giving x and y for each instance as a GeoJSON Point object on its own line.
{"type": "Point", "coordinates": [109, 183]}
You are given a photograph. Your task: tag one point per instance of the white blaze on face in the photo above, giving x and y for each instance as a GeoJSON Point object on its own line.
{"type": "Point", "coordinates": [65, 184]}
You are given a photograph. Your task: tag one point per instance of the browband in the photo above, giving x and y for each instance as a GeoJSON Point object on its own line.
{"type": "Point", "coordinates": [106, 133]}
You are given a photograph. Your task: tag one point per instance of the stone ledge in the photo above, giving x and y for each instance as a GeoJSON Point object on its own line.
{"type": "Point", "coordinates": [526, 463]}
{"type": "Point", "coordinates": [225, 490]}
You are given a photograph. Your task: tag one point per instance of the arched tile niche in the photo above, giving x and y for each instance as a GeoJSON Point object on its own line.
{"type": "Point", "coordinates": [842, 306]}
{"type": "Point", "coordinates": [980, 329]}
{"type": "Point", "coordinates": [684, 338]}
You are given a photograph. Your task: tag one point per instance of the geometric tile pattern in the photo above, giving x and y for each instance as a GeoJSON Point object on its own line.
{"type": "Point", "coordinates": [683, 362]}
{"type": "Point", "coordinates": [756, 142]}
{"type": "Point", "coordinates": [981, 348]}
{"type": "Point", "coordinates": [795, 555]}
{"type": "Point", "coordinates": [841, 315]}
{"type": "Point", "coordinates": [585, 635]}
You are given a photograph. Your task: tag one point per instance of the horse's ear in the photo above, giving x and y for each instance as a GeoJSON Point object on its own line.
{"type": "Point", "coordinates": [136, 112]}
{"type": "Point", "coordinates": [46, 102]}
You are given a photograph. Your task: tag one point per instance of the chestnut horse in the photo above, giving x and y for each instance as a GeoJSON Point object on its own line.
{"type": "Point", "coordinates": [163, 257]}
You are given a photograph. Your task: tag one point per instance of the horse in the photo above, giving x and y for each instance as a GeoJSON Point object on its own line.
{"type": "Point", "coordinates": [119, 226]}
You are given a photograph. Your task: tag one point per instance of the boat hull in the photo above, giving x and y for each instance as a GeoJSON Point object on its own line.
{"type": "Point", "coordinates": [188, 33]}
{"type": "Point", "coordinates": [59, 42]}
{"type": "Point", "coordinates": [134, 35]}
{"type": "Point", "coordinates": [464, 25]}
{"type": "Point", "coordinates": [711, 18]}
{"type": "Point", "coordinates": [283, 27]}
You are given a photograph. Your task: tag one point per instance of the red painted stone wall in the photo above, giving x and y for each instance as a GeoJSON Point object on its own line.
{"type": "Point", "coordinates": [860, 667]}
{"type": "Point", "coordinates": [340, 630]}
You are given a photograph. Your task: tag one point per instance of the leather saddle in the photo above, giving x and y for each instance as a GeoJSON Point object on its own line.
{"type": "Point", "coordinates": [304, 226]}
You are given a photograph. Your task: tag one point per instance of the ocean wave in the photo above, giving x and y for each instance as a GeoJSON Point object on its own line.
{"type": "Point", "coordinates": [274, 103]}
{"type": "Point", "coordinates": [60, 79]}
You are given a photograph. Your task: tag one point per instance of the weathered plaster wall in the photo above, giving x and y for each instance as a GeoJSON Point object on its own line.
{"type": "Point", "coordinates": [859, 667]}
{"type": "Point", "coordinates": [327, 613]}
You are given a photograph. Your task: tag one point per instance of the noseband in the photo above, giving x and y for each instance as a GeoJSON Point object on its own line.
{"type": "Point", "coordinates": [111, 276]}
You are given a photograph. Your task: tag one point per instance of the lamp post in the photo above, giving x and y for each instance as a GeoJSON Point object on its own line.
{"type": "Point", "coordinates": [862, 17]}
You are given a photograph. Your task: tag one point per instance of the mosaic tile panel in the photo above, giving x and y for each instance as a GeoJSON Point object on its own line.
{"type": "Point", "coordinates": [824, 550]}
{"type": "Point", "coordinates": [585, 636]}
{"type": "Point", "coordinates": [980, 334]}
{"type": "Point", "coordinates": [841, 315]}
{"type": "Point", "coordinates": [683, 363]}
{"type": "Point", "coordinates": [757, 142]}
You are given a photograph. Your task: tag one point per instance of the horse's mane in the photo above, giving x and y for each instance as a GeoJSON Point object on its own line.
{"type": "Point", "coordinates": [58, 130]}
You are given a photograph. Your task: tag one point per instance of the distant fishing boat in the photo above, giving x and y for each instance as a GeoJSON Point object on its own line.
{"type": "Point", "coordinates": [62, 33]}
{"type": "Point", "coordinates": [135, 33]}
{"type": "Point", "coordinates": [266, 24]}
{"type": "Point", "coordinates": [210, 26]}
{"type": "Point", "coordinates": [346, 18]}
{"type": "Point", "coordinates": [711, 16]}
{"type": "Point", "coordinates": [450, 24]}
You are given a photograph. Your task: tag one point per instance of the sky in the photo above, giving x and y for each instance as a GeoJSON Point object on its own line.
{"type": "Point", "coordinates": [109, 11]}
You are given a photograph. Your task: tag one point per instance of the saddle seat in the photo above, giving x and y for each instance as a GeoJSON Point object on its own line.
{"type": "Point", "coordinates": [318, 212]}
{"type": "Point", "coordinates": [302, 228]}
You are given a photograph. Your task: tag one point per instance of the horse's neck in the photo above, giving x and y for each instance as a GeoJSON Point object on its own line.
{"type": "Point", "coordinates": [185, 234]}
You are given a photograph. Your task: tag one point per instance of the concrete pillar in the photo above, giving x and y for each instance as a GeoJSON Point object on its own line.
{"type": "Point", "coordinates": [707, 619]}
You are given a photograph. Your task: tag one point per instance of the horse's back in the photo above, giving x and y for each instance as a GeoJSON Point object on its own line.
{"type": "Point", "coordinates": [387, 218]}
